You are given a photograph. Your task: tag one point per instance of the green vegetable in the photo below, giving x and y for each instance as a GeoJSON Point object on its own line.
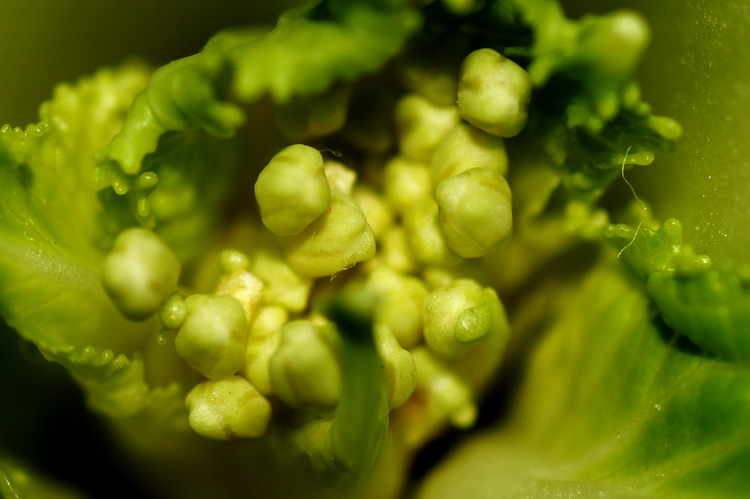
{"type": "Point", "coordinates": [287, 208]}
{"type": "Point", "coordinates": [284, 265]}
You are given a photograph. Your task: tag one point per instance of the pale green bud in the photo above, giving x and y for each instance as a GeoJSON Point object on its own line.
{"type": "Point", "coordinates": [467, 147]}
{"type": "Point", "coordinates": [458, 316]}
{"type": "Point", "coordinates": [625, 33]}
{"type": "Point", "coordinates": [433, 77]}
{"type": "Point", "coordinates": [426, 237]}
{"type": "Point", "coordinates": [336, 241]}
{"type": "Point", "coordinates": [227, 409]}
{"type": "Point", "coordinates": [475, 211]}
{"type": "Point", "coordinates": [396, 251]}
{"type": "Point", "coordinates": [406, 182]}
{"type": "Point", "coordinates": [282, 285]}
{"type": "Point", "coordinates": [304, 370]}
{"type": "Point", "coordinates": [494, 93]}
{"type": "Point", "coordinates": [422, 125]}
{"type": "Point", "coordinates": [139, 273]}
{"type": "Point", "coordinates": [339, 176]}
{"type": "Point", "coordinates": [232, 260]}
{"type": "Point", "coordinates": [172, 314]}
{"type": "Point", "coordinates": [213, 335]}
{"type": "Point", "coordinates": [244, 286]}
{"type": "Point", "coordinates": [400, 304]}
{"type": "Point", "coordinates": [292, 190]}
{"type": "Point", "coordinates": [399, 366]}
{"type": "Point", "coordinates": [447, 395]}
{"type": "Point", "coordinates": [263, 340]}
{"type": "Point", "coordinates": [377, 212]}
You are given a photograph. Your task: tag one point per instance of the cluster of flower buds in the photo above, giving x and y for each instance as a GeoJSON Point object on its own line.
{"type": "Point", "coordinates": [259, 341]}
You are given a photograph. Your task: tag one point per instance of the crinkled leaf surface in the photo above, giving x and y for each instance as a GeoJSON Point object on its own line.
{"type": "Point", "coordinates": [51, 235]}
{"type": "Point", "coordinates": [304, 55]}
{"type": "Point", "coordinates": [614, 404]}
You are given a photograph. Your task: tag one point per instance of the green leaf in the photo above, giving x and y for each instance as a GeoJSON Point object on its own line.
{"type": "Point", "coordinates": [350, 39]}
{"type": "Point", "coordinates": [51, 232]}
{"type": "Point", "coordinates": [709, 302]}
{"type": "Point", "coordinates": [587, 111]}
{"type": "Point", "coordinates": [353, 39]}
{"type": "Point", "coordinates": [613, 404]}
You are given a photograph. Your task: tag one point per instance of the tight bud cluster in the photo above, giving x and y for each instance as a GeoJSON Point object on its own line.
{"type": "Point", "coordinates": [258, 341]}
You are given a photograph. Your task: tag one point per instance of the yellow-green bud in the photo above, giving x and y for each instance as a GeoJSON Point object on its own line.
{"type": "Point", "coordinates": [400, 304]}
{"type": "Point", "coordinates": [282, 285]}
{"type": "Point", "coordinates": [292, 190]}
{"type": "Point", "coordinates": [339, 176]}
{"type": "Point", "coordinates": [213, 335]}
{"type": "Point", "coordinates": [396, 251]}
{"type": "Point", "coordinates": [406, 182]}
{"type": "Point", "coordinates": [399, 366]}
{"type": "Point", "coordinates": [448, 396]}
{"type": "Point", "coordinates": [139, 273]}
{"type": "Point", "coordinates": [336, 241]}
{"type": "Point", "coordinates": [475, 211]}
{"type": "Point", "coordinates": [304, 370]}
{"type": "Point", "coordinates": [232, 260]}
{"type": "Point", "coordinates": [227, 409]}
{"type": "Point", "coordinates": [173, 312]}
{"type": "Point", "coordinates": [456, 317]}
{"type": "Point", "coordinates": [263, 340]}
{"type": "Point", "coordinates": [422, 125]}
{"type": "Point", "coordinates": [434, 78]}
{"type": "Point", "coordinates": [467, 147]}
{"type": "Point", "coordinates": [377, 212]}
{"type": "Point", "coordinates": [244, 286]}
{"type": "Point", "coordinates": [494, 93]}
{"type": "Point", "coordinates": [425, 236]}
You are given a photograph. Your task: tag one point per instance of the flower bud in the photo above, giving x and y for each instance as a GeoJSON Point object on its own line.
{"type": "Point", "coordinates": [281, 285]}
{"type": "Point", "coordinates": [227, 409]}
{"type": "Point", "coordinates": [292, 190]}
{"type": "Point", "coordinates": [494, 93]}
{"type": "Point", "coordinates": [378, 213]}
{"type": "Point", "coordinates": [172, 314]}
{"type": "Point", "coordinates": [304, 370]}
{"type": "Point", "coordinates": [213, 335]}
{"type": "Point", "coordinates": [448, 396]}
{"type": "Point", "coordinates": [399, 366]}
{"type": "Point", "coordinates": [400, 304]}
{"type": "Point", "coordinates": [475, 211]}
{"type": "Point", "coordinates": [245, 287]}
{"type": "Point", "coordinates": [139, 273]}
{"type": "Point", "coordinates": [339, 176]}
{"type": "Point", "coordinates": [425, 236]}
{"type": "Point", "coordinates": [336, 241]}
{"type": "Point", "coordinates": [458, 316]}
{"type": "Point", "coordinates": [422, 125]}
{"type": "Point", "coordinates": [406, 182]}
{"type": "Point", "coordinates": [263, 340]}
{"type": "Point", "coordinates": [467, 147]}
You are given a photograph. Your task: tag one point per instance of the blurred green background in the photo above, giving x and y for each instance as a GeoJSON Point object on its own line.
{"type": "Point", "coordinates": [49, 41]}
{"type": "Point", "coordinates": [697, 70]}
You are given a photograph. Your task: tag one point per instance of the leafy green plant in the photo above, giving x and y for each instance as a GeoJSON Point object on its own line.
{"type": "Point", "coordinates": [287, 263]}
